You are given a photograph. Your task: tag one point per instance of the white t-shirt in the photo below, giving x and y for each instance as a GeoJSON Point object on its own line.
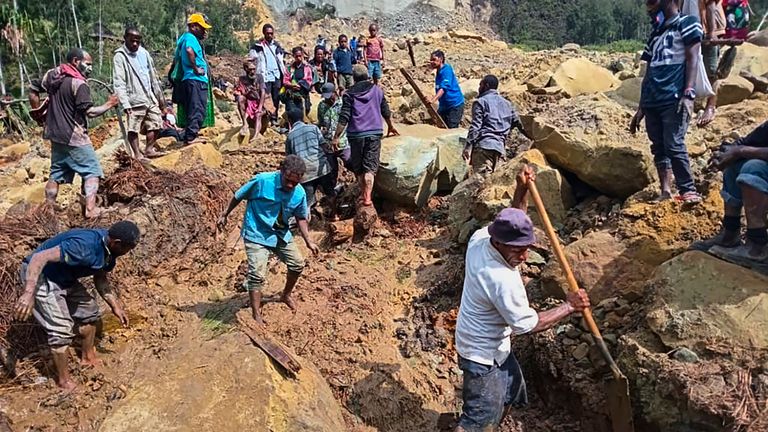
{"type": "Point", "coordinates": [494, 304]}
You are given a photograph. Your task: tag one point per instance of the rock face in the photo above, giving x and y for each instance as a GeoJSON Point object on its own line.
{"type": "Point", "coordinates": [751, 58]}
{"type": "Point", "coordinates": [219, 398]}
{"type": "Point", "coordinates": [579, 76]}
{"type": "Point", "coordinates": [612, 161]}
{"type": "Point", "coordinates": [469, 88]}
{"type": "Point", "coordinates": [419, 162]}
{"type": "Point", "coordinates": [701, 300]}
{"type": "Point", "coordinates": [628, 92]}
{"type": "Point", "coordinates": [602, 264]}
{"type": "Point", "coordinates": [733, 89]}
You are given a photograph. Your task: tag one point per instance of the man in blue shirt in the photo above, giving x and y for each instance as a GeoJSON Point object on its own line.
{"type": "Point", "coordinates": [344, 57]}
{"type": "Point", "coordinates": [667, 95]}
{"type": "Point", "coordinates": [195, 75]}
{"type": "Point", "coordinates": [57, 299]}
{"type": "Point", "coordinates": [273, 199]}
{"type": "Point", "coordinates": [449, 95]}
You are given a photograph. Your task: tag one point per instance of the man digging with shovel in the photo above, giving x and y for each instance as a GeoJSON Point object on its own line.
{"type": "Point", "coordinates": [494, 306]}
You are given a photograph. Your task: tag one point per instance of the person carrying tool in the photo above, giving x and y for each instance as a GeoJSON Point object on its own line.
{"type": "Point", "coordinates": [58, 300]}
{"type": "Point", "coordinates": [494, 306]}
{"type": "Point", "coordinates": [140, 93]}
{"type": "Point", "coordinates": [447, 91]}
{"type": "Point", "coordinates": [69, 106]}
{"type": "Point", "coordinates": [273, 199]}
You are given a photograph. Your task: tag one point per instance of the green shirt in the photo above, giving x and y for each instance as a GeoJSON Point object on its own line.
{"type": "Point", "coordinates": [328, 120]}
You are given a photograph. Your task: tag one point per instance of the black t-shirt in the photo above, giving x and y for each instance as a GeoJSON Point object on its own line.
{"type": "Point", "coordinates": [67, 119]}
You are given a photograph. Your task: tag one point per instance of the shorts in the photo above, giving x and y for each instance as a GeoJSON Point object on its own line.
{"type": "Point", "coordinates": [345, 81]}
{"type": "Point", "coordinates": [258, 259]}
{"type": "Point", "coordinates": [326, 183]}
{"type": "Point", "coordinates": [374, 69]}
{"type": "Point", "coordinates": [58, 309]}
{"type": "Point", "coordinates": [711, 55]}
{"type": "Point", "coordinates": [452, 116]}
{"type": "Point", "coordinates": [364, 154]}
{"type": "Point", "coordinates": [66, 161]}
{"type": "Point", "coordinates": [144, 119]}
{"type": "Point", "coordinates": [487, 390]}
{"type": "Point", "coordinates": [484, 161]}
{"type": "Point", "coordinates": [746, 172]}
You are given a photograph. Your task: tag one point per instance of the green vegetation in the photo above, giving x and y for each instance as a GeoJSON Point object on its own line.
{"type": "Point", "coordinates": [218, 320]}
{"type": "Point", "coordinates": [620, 46]}
{"type": "Point", "coordinates": [47, 29]}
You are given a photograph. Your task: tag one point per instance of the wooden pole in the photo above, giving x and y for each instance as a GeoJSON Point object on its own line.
{"type": "Point", "coordinates": [77, 26]}
{"type": "Point", "coordinates": [430, 109]}
{"type": "Point", "coordinates": [410, 52]}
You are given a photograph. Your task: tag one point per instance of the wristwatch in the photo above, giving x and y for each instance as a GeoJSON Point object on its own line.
{"type": "Point", "coordinates": [690, 93]}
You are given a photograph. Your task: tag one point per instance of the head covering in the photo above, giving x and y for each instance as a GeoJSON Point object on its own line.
{"type": "Point", "coordinates": [327, 90]}
{"type": "Point", "coordinates": [360, 72]}
{"type": "Point", "coordinates": [512, 227]}
{"type": "Point", "coordinates": [199, 19]}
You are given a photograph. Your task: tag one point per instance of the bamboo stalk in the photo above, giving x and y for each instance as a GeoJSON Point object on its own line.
{"type": "Point", "coordinates": [77, 26]}
{"type": "Point", "coordinates": [2, 78]}
{"type": "Point", "coordinates": [101, 41]}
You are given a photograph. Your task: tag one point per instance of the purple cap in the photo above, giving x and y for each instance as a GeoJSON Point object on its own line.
{"type": "Point", "coordinates": [512, 227]}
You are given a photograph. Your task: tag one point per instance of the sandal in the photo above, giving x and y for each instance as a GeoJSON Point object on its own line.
{"type": "Point", "coordinates": [690, 198]}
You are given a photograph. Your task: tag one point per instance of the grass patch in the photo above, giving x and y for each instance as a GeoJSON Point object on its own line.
{"type": "Point", "coordinates": [619, 46]}
{"type": "Point", "coordinates": [218, 320]}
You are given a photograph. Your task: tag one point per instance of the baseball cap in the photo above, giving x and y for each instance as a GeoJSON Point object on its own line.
{"type": "Point", "coordinates": [327, 90]}
{"type": "Point", "coordinates": [512, 227]}
{"type": "Point", "coordinates": [199, 19]}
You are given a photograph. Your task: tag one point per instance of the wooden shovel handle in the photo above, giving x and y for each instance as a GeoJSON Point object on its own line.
{"type": "Point", "coordinates": [572, 284]}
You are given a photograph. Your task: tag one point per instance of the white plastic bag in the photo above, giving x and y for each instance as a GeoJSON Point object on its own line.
{"type": "Point", "coordinates": [701, 86]}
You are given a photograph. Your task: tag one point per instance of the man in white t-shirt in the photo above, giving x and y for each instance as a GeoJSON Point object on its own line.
{"type": "Point", "coordinates": [494, 306]}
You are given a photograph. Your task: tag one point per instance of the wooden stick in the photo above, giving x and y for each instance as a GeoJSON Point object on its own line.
{"type": "Point", "coordinates": [410, 52]}
{"type": "Point", "coordinates": [269, 345]}
{"type": "Point", "coordinates": [430, 109]}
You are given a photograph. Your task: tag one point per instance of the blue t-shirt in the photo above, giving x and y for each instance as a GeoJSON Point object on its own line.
{"type": "Point", "coordinates": [269, 209]}
{"type": "Point", "coordinates": [83, 253]}
{"type": "Point", "coordinates": [452, 95]}
{"type": "Point", "coordinates": [344, 60]}
{"type": "Point", "coordinates": [188, 40]}
{"type": "Point", "coordinates": [664, 80]}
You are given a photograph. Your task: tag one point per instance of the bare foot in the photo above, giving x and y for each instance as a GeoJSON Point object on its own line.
{"type": "Point", "coordinates": [244, 131]}
{"type": "Point", "coordinates": [67, 386]}
{"type": "Point", "coordinates": [91, 361]}
{"type": "Point", "coordinates": [259, 320]}
{"type": "Point", "coordinates": [152, 154]}
{"type": "Point", "coordinates": [288, 300]}
{"type": "Point", "coordinates": [706, 117]}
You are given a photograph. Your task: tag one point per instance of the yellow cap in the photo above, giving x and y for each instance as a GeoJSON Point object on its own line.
{"type": "Point", "coordinates": [199, 19]}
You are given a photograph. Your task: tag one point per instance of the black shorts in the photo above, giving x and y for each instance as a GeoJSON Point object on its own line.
{"type": "Point", "coordinates": [365, 154]}
{"type": "Point", "coordinates": [452, 116]}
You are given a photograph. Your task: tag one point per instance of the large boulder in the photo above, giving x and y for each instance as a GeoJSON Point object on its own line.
{"type": "Point", "coordinates": [499, 187]}
{"type": "Point", "coordinates": [470, 88]}
{"type": "Point", "coordinates": [579, 76]}
{"type": "Point", "coordinates": [700, 300]}
{"type": "Point", "coordinates": [628, 92]}
{"type": "Point", "coordinates": [188, 396]}
{"type": "Point", "coordinates": [760, 39]}
{"type": "Point", "coordinates": [467, 35]}
{"type": "Point", "coordinates": [419, 162]}
{"type": "Point", "coordinates": [733, 90]}
{"type": "Point", "coordinates": [751, 58]}
{"type": "Point", "coordinates": [602, 264]}
{"type": "Point", "coordinates": [588, 137]}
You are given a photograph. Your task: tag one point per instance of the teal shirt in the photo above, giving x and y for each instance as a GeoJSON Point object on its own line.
{"type": "Point", "coordinates": [270, 209]}
{"type": "Point", "coordinates": [188, 40]}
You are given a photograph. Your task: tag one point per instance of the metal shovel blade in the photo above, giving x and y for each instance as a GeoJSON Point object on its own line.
{"type": "Point", "coordinates": [619, 406]}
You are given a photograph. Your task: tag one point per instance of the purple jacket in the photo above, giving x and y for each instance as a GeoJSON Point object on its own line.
{"type": "Point", "coordinates": [363, 106]}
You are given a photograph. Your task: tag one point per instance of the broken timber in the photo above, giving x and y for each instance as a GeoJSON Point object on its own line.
{"type": "Point", "coordinates": [274, 349]}
{"type": "Point", "coordinates": [430, 109]}
{"type": "Point", "coordinates": [410, 52]}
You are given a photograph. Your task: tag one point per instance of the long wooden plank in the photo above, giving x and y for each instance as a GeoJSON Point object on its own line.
{"type": "Point", "coordinates": [430, 109]}
{"type": "Point", "coordinates": [269, 345]}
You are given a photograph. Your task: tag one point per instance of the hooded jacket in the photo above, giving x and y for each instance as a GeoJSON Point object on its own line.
{"type": "Point", "coordinates": [362, 110]}
{"type": "Point", "coordinates": [128, 86]}
{"type": "Point", "coordinates": [70, 99]}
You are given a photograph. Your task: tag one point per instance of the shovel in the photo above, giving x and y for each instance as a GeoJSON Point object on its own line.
{"type": "Point", "coordinates": [619, 406]}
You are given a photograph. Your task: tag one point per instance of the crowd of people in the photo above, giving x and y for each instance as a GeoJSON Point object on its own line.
{"type": "Point", "coordinates": [349, 133]}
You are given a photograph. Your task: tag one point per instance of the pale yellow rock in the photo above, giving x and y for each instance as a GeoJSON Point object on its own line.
{"type": "Point", "coordinates": [733, 90]}
{"type": "Point", "coordinates": [499, 44]}
{"type": "Point", "coordinates": [189, 157]}
{"type": "Point", "coordinates": [750, 58]}
{"type": "Point", "coordinates": [628, 92]}
{"type": "Point", "coordinates": [579, 76]}
{"type": "Point", "coordinates": [470, 88]}
{"type": "Point", "coordinates": [540, 80]}
{"type": "Point", "coordinates": [15, 151]}
{"type": "Point", "coordinates": [33, 194]}
{"type": "Point", "coordinates": [464, 34]}
{"type": "Point", "coordinates": [38, 168]}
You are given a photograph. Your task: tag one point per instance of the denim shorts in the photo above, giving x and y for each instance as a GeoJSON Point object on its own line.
{"type": "Point", "coordinates": [747, 172]}
{"type": "Point", "coordinates": [66, 161]}
{"type": "Point", "coordinates": [488, 390]}
{"type": "Point", "coordinates": [258, 259]}
{"type": "Point", "coordinates": [374, 69]}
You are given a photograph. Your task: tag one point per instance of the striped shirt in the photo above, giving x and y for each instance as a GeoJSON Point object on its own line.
{"type": "Point", "coordinates": [664, 80]}
{"type": "Point", "coordinates": [306, 141]}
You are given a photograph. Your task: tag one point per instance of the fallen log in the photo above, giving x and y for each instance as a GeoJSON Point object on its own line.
{"type": "Point", "coordinates": [430, 109]}
{"type": "Point", "coordinates": [274, 349]}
